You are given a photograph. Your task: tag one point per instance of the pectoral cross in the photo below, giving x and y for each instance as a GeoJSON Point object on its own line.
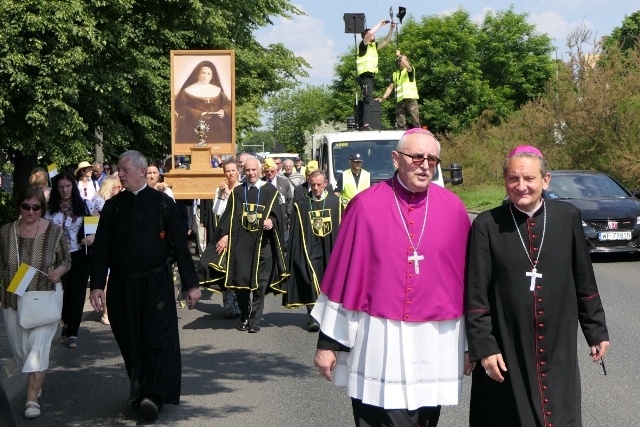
{"type": "Point", "coordinates": [534, 275]}
{"type": "Point", "coordinates": [415, 258]}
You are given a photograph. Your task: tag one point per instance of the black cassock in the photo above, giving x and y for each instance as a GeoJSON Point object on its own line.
{"type": "Point", "coordinates": [312, 236]}
{"type": "Point", "coordinates": [136, 236]}
{"type": "Point", "coordinates": [534, 330]}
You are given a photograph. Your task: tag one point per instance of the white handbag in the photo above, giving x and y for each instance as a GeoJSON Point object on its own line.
{"type": "Point", "coordinates": [39, 308]}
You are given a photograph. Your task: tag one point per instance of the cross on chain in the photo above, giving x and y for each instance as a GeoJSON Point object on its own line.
{"type": "Point", "coordinates": [415, 258]}
{"type": "Point", "coordinates": [534, 275]}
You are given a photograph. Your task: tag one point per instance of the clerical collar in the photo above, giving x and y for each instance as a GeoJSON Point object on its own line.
{"type": "Point", "coordinates": [530, 214]}
{"type": "Point", "coordinates": [135, 193]}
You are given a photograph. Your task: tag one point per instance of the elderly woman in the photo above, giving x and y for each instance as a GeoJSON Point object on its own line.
{"type": "Point", "coordinates": [41, 244]}
{"type": "Point", "coordinates": [202, 97]}
{"type": "Point", "coordinates": [67, 209]}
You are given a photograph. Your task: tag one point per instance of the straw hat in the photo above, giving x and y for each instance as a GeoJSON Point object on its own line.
{"type": "Point", "coordinates": [82, 165]}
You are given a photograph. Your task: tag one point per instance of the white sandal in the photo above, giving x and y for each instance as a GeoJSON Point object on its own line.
{"type": "Point", "coordinates": [32, 409]}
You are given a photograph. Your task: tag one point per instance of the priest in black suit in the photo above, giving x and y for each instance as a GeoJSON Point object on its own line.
{"type": "Point", "coordinates": [139, 236]}
{"type": "Point", "coordinates": [530, 284]}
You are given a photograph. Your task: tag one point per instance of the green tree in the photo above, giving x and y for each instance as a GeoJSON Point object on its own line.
{"type": "Point", "coordinates": [61, 62]}
{"type": "Point", "coordinates": [627, 36]}
{"type": "Point", "coordinates": [292, 112]}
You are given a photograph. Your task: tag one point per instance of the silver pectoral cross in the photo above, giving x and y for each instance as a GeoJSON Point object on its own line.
{"type": "Point", "coordinates": [534, 275]}
{"type": "Point", "coordinates": [415, 258]}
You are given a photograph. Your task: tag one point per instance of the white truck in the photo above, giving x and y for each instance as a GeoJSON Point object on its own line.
{"type": "Point", "coordinates": [332, 151]}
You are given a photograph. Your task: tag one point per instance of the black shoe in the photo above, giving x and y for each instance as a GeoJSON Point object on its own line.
{"type": "Point", "coordinates": [313, 327]}
{"type": "Point", "coordinates": [149, 409]}
{"type": "Point", "coordinates": [254, 329]}
{"type": "Point", "coordinates": [243, 325]}
{"type": "Point", "coordinates": [135, 404]}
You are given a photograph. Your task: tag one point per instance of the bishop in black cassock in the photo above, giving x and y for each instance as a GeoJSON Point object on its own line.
{"type": "Point", "coordinates": [315, 222]}
{"type": "Point", "coordinates": [139, 235]}
{"type": "Point", "coordinates": [530, 284]}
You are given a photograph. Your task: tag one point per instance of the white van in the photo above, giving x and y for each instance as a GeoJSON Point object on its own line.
{"type": "Point", "coordinates": [332, 151]}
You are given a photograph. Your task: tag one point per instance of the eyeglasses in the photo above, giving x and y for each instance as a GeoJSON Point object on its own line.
{"type": "Point", "coordinates": [419, 159]}
{"type": "Point", "coordinates": [27, 207]}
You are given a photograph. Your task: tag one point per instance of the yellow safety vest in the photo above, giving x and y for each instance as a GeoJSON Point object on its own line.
{"type": "Point", "coordinates": [349, 188]}
{"type": "Point", "coordinates": [407, 89]}
{"type": "Point", "coordinates": [368, 62]}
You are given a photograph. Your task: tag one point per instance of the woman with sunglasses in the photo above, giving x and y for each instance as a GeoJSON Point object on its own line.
{"type": "Point", "coordinates": [67, 210]}
{"type": "Point", "coordinates": [37, 242]}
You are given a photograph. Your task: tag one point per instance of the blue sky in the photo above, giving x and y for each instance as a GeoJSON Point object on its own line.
{"type": "Point", "coordinates": [319, 36]}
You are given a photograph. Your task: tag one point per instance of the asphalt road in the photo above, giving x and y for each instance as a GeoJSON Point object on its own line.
{"type": "Point", "coordinates": [234, 379]}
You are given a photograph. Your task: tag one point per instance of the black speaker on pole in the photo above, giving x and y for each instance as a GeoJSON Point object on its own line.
{"type": "Point", "coordinates": [353, 23]}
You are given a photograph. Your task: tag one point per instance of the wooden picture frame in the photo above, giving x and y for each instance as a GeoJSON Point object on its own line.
{"type": "Point", "coordinates": [193, 98]}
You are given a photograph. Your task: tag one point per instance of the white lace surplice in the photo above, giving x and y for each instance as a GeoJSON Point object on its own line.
{"type": "Point", "coordinates": [395, 364]}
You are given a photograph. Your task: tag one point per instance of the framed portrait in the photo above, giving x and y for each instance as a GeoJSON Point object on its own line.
{"type": "Point", "coordinates": [203, 88]}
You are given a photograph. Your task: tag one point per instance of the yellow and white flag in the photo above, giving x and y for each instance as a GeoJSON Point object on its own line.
{"type": "Point", "coordinates": [21, 280]}
{"type": "Point", "coordinates": [91, 224]}
{"type": "Point", "coordinates": [53, 170]}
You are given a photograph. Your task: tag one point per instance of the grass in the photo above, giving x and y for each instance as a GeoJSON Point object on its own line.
{"type": "Point", "coordinates": [478, 199]}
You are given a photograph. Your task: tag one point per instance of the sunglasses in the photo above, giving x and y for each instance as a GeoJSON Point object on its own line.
{"type": "Point", "coordinates": [27, 207]}
{"type": "Point", "coordinates": [107, 169]}
{"type": "Point", "coordinates": [419, 159]}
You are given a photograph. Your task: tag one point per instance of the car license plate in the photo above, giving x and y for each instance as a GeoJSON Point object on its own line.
{"type": "Point", "coordinates": [614, 235]}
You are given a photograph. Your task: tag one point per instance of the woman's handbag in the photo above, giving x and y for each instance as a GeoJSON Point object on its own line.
{"type": "Point", "coordinates": [39, 308]}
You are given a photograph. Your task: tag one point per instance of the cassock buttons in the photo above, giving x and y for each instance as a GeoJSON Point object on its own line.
{"type": "Point", "coordinates": [542, 364]}
{"type": "Point", "coordinates": [411, 208]}
{"type": "Point", "coordinates": [411, 222]}
{"type": "Point", "coordinates": [541, 350]}
{"type": "Point", "coordinates": [539, 287]}
{"type": "Point", "coordinates": [534, 236]}
{"type": "Point", "coordinates": [535, 249]}
{"type": "Point", "coordinates": [408, 302]}
{"type": "Point", "coordinates": [540, 312]}
{"type": "Point", "coordinates": [406, 315]}
{"type": "Point", "coordinates": [549, 413]}
{"type": "Point", "coordinates": [540, 325]}
{"type": "Point", "coordinates": [540, 300]}
{"type": "Point", "coordinates": [544, 387]}
{"type": "Point", "coordinates": [408, 289]}
{"type": "Point", "coordinates": [547, 401]}
{"type": "Point", "coordinates": [410, 276]}
{"type": "Point", "coordinates": [541, 337]}
{"type": "Point", "coordinates": [543, 375]}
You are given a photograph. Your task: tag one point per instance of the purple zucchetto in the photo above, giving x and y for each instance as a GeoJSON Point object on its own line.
{"type": "Point", "coordinates": [525, 149]}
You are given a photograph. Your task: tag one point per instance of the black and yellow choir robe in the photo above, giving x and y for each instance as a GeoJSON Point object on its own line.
{"type": "Point", "coordinates": [253, 254]}
{"type": "Point", "coordinates": [312, 236]}
{"type": "Point", "coordinates": [137, 235]}
{"type": "Point", "coordinates": [535, 331]}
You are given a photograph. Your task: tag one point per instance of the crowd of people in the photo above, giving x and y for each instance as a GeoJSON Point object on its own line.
{"type": "Point", "coordinates": [406, 294]}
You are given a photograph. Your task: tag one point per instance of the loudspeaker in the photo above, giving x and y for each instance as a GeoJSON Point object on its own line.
{"type": "Point", "coordinates": [353, 23]}
{"type": "Point", "coordinates": [374, 118]}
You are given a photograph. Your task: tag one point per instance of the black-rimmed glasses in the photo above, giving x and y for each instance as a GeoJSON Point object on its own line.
{"type": "Point", "coordinates": [26, 207]}
{"type": "Point", "coordinates": [419, 159]}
